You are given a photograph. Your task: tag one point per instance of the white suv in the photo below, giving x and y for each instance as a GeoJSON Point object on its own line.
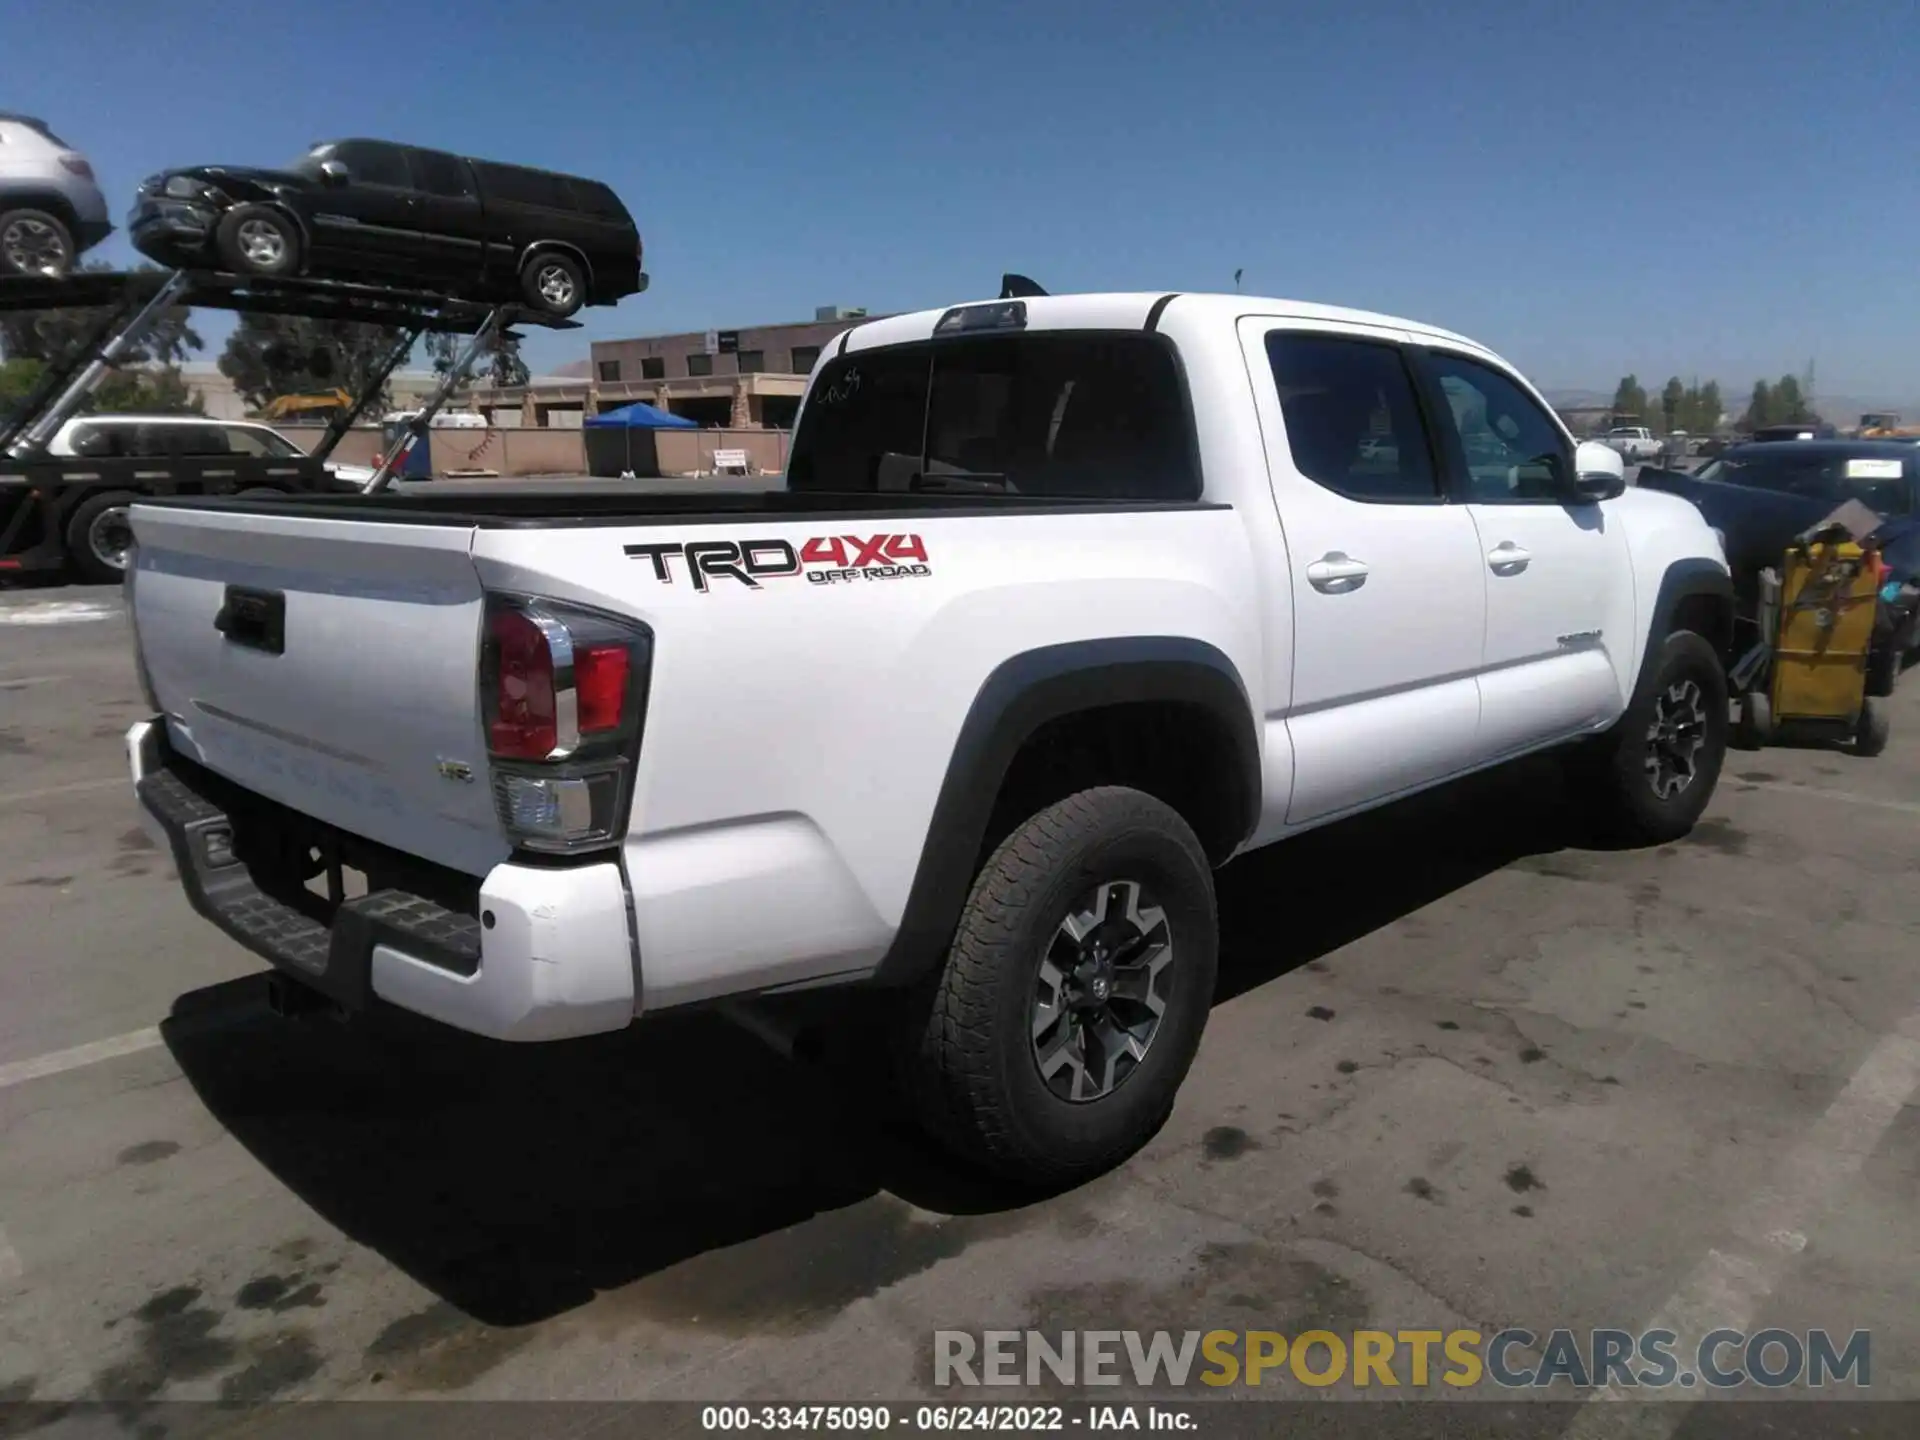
{"type": "Point", "coordinates": [51, 208]}
{"type": "Point", "coordinates": [98, 437]}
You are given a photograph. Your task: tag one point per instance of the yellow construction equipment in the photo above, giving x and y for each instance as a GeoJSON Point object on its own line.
{"type": "Point", "coordinates": [1817, 622]}
{"type": "Point", "coordinates": [323, 405]}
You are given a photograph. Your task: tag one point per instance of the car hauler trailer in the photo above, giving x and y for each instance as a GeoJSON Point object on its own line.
{"type": "Point", "coordinates": [69, 512]}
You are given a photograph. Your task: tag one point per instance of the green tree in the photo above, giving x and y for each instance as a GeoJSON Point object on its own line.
{"type": "Point", "coordinates": [1710, 406]}
{"type": "Point", "coordinates": [1629, 398]}
{"type": "Point", "coordinates": [1790, 405]}
{"type": "Point", "coordinates": [161, 391]}
{"type": "Point", "coordinates": [53, 335]}
{"type": "Point", "coordinates": [502, 367]}
{"type": "Point", "coordinates": [273, 355]}
{"type": "Point", "coordinates": [1759, 407]}
{"type": "Point", "coordinates": [1672, 401]}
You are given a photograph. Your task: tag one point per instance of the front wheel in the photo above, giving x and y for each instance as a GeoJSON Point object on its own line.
{"type": "Point", "coordinates": [1648, 780]}
{"type": "Point", "coordinates": [1073, 998]}
{"type": "Point", "coordinates": [258, 240]}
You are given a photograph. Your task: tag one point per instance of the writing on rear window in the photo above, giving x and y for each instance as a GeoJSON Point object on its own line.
{"type": "Point", "coordinates": [822, 559]}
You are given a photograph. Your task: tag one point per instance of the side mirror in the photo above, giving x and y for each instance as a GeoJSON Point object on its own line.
{"type": "Point", "coordinates": [1598, 473]}
{"type": "Point", "coordinates": [332, 172]}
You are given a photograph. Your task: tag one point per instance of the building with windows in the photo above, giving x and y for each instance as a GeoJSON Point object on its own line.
{"type": "Point", "coordinates": [730, 379]}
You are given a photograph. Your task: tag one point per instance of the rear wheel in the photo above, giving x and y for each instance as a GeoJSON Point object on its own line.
{"type": "Point", "coordinates": [258, 240]}
{"type": "Point", "coordinates": [32, 242]}
{"type": "Point", "coordinates": [554, 283]}
{"type": "Point", "coordinates": [100, 537]}
{"type": "Point", "coordinates": [1650, 777]}
{"type": "Point", "coordinates": [1073, 997]}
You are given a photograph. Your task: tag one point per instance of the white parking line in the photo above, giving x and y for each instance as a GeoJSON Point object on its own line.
{"type": "Point", "coordinates": [1729, 1286]}
{"type": "Point", "coordinates": [18, 1072]}
{"type": "Point", "coordinates": [1845, 797]}
{"type": "Point", "coordinates": [10, 1266]}
{"type": "Point", "coordinates": [21, 797]}
{"type": "Point", "coordinates": [22, 682]}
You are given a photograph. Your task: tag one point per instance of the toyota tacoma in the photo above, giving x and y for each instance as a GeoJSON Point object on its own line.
{"type": "Point", "coordinates": [1065, 602]}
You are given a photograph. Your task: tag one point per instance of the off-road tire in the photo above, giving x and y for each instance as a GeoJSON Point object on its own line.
{"type": "Point", "coordinates": [1610, 777]}
{"type": "Point", "coordinates": [965, 1041]}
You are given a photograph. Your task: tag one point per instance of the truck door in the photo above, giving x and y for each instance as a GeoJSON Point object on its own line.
{"type": "Point", "coordinates": [1384, 573]}
{"type": "Point", "coordinates": [1559, 594]}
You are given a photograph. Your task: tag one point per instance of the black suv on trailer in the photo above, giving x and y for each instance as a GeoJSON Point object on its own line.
{"type": "Point", "coordinates": [374, 210]}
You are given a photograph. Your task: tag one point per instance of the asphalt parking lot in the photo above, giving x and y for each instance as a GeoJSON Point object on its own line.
{"type": "Point", "coordinates": [1462, 1072]}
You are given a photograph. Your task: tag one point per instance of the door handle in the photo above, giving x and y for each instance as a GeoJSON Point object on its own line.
{"type": "Point", "coordinates": [1507, 558]}
{"type": "Point", "coordinates": [1336, 572]}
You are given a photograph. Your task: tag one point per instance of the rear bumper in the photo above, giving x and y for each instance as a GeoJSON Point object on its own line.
{"type": "Point", "coordinates": [543, 954]}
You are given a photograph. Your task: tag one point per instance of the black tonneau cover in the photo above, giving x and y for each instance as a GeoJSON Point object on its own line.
{"type": "Point", "coordinates": [528, 508]}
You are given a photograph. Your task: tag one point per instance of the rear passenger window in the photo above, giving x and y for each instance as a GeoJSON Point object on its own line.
{"type": "Point", "coordinates": [1092, 416]}
{"type": "Point", "coordinates": [1353, 424]}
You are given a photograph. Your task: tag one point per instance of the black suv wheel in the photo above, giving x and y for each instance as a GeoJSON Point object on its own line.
{"type": "Point", "coordinates": [258, 240]}
{"type": "Point", "coordinates": [554, 283]}
{"type": "Point", "coordinates": [1075, 992]}
{"type": "Point", "coordinates": [1648, 779]}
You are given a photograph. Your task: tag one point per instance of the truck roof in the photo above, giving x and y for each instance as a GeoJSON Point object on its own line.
{"type": "Point", "coordinates": [1130, 310]}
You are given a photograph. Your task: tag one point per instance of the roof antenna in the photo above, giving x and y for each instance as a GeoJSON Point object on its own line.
{"type": "Point", "coordinates": [1014, 287]}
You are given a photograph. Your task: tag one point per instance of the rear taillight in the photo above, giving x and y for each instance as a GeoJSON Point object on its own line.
{"type": "Point", "coordinates": [78, 166]}
{"type": "Point", "coordinates": [563, 693]}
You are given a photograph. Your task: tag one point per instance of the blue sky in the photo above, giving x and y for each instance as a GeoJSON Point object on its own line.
{"type": "Point", "coordinates": [1718, 189]}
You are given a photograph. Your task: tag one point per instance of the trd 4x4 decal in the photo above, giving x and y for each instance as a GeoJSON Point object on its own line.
{"type": "Point", "coordinates": [823, 559]}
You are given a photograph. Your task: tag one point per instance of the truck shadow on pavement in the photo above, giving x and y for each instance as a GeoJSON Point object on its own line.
{"type": "Point", "coordinates": [517, 1182]}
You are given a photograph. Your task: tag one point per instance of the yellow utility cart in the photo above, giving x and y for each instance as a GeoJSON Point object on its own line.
{"type": "Point", "coordinates": [1812, 675]}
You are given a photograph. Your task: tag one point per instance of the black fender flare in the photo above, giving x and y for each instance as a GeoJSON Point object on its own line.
{"type": "Point", "coordinates": [1684, 580]}
{"type": "Point", "coordinates": [1023, 693]}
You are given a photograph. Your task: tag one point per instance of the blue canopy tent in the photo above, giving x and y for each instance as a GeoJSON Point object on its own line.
{"type": "Point", "coordinates": [621, 441]}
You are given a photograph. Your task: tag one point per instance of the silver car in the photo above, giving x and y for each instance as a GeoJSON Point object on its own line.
{"type": "Point", "coordinates": [51, 208]}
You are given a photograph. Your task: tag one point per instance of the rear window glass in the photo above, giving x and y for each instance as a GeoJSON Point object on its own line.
{"type": "Point", "coordinates": [1095, 416]}
{"type": "Point", "coordinates": [596, 199]}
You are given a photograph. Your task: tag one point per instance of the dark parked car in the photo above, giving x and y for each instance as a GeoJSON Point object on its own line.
{"type": "Point", "coordinates": [374, 210]}
{"type": "Point", "coordinates": [1759, 496]}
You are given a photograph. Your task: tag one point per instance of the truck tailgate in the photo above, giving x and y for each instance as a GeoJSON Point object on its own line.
{"type": "Point", "coordinates": [329, 664]}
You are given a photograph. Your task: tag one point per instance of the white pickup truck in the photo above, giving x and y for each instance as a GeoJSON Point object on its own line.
{"type": "Point", "coordinates": [1637, 444]}
{"type": "Point", "coordinates": [1065, 601]}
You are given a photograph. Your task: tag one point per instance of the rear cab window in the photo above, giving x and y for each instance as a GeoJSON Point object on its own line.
{"type": "Point", "coordinates": [1092, 415]}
